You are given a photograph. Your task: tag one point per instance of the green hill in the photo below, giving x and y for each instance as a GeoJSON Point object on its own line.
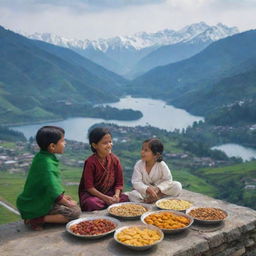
{"type": "Point", "coordinates": [235, 183]}
{"type": "Point", "coordinates": [222, 73]}
{"type": "Point", "coordinates": [168, 54]}
{"type": "Point", "coordinates": [34, 76]}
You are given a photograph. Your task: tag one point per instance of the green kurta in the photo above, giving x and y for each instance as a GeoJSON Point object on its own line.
{"type": "Point", "coordinates": [42, 187]}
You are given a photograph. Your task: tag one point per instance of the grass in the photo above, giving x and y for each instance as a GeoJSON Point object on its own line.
{"type": "Point", "coordinates": [8, 145]}
{"type": "Point", "coordinates": [233, 169]}
{"type": "Point", "coordinates": [11, 186]}
{"type": "Point", "coordinates": [224, 174]}
{"type": "Point", "coordinates": [194, 183]}
{"type": "Point", "coordinates": [6, 216]}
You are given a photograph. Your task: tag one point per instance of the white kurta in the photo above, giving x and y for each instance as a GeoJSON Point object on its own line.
{"type": "Point", "coordinates": [159, 176]}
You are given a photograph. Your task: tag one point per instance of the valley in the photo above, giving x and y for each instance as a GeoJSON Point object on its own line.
{"type": "Point", "coordinates": [205, 74]}
{"type": "Point", "coordinates": [193, 166]}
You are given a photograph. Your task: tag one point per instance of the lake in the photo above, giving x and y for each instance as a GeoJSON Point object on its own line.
{"type": "Point", "coordinates": [237, 150]}
{"type": "Point", "coordinates": [155, 113]}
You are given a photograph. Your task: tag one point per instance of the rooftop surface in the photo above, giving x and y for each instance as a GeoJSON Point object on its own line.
{"type": "Point", "coordinates": [18, 240]}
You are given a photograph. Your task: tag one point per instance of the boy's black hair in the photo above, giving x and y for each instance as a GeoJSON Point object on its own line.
{"type": "Point", "coordinates": [47, 135]}
{"type": "Point", "coordinates": [156, 147]}
{"type": "Point", "coordinates": [96, 135]}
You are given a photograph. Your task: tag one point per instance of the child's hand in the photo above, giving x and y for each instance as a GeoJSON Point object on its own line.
{"type": "Point", "coordinates": [109, 200]}
{"type": "Point", "coordinates": [152, 193]}
{"type": "Point", "coordinates": [116, 198]}
{"type": "Point", "coordinates": [72, 203]}
{"type": "Point", "coordinates": [68, 197]}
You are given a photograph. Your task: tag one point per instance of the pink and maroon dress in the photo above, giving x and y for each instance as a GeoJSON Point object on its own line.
{"type": "Point", "coordinates": [105, 179]}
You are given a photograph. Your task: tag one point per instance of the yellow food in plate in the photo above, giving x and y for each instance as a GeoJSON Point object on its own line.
{"type": "Point", "coordinates": [167, 220]}
{"type": "Point", "coordinates": [174, 204]}
{"type": "Point", "coordinates": [138, 236]}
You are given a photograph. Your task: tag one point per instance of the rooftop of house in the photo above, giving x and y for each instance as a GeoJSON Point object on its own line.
{"type": "Point", "coordinates": [235, 236]}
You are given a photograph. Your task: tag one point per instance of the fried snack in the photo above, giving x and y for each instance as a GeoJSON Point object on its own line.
{"type": "Point", "coordinates": [205, 213]}
{"type": "Point", "coordinates": [138, 236]}
{"type": "Point", "coordinates": [93, 227]}
{"type": "Point", "coordinates": [167, 220]}
{"type": "Point", "coordinates": [174, 204]}
{"type": "Point", "coordinates": [128, 210]}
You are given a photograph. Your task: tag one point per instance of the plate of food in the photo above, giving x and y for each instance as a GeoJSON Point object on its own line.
{"type": "Point", "coordinates": [208, 215]}
{"type": "Point", "coordinates": [138, 237]}
{"type": "Point", "coordinates": [173, 204]}
{"type": "Point", "coordinates": [127, 210]}
{"type": "Point", "coordinates": [92, 227]}
{"type": "Point", "coordinates": [168, 221]}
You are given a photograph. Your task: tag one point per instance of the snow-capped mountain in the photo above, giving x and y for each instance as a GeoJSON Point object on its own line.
{"type": "Point", "coordinates": [142, 40]}
{"type": "Point", "coordinates": [121, 53]}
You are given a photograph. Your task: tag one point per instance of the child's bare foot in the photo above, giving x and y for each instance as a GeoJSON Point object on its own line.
{"type": "Point", "coordinates": [34, 224]}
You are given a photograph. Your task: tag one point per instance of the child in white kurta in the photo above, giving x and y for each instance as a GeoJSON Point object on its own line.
{"type": "Point", "coordinates": [156, 178]}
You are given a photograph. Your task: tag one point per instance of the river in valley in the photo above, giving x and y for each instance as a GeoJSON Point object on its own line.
{"type": "Point", "coordinates": [155, 113]}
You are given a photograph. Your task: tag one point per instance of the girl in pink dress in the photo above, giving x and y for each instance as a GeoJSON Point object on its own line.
{"type": "Point", "coordinates": [102, 181]}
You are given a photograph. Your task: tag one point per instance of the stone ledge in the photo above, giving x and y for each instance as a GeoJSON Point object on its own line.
{"type": "Point", "coordinates": [236, 237]}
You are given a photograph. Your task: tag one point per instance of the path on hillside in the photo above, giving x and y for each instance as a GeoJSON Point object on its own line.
{"type": "Point", "coordinates": [9, 207]}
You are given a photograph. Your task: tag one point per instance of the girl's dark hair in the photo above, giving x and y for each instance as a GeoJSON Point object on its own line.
{"type": "Point", "coordinates": [156, 147]}
{"type": "Point", "coordinates": [96, 135]}
{"type": "Point", "coordinates": [47, 135]}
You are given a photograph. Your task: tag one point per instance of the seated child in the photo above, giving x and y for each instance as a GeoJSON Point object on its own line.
{"type": "Point", "coordinates": [43, 199]}
{"type": "Point", "coordinates": [102, 180]}
{"type": "Point", "coordinates": [151, 177]}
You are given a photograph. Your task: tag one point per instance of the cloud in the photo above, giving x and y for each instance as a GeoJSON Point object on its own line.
{"type": "Point", "coordinates": [105, 18]}
{"type": "Point", "coordinates": [76, 5]}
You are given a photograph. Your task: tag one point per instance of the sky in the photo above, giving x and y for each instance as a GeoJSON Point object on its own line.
{"type": "Point", "coordinates": [93, 19]}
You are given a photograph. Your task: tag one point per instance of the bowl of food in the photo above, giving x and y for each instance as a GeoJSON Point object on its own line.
{"type": "Point", "coordinates": [138, 237]}
{"type": "Point", "coordinates": [167, 220]}
{"type": "Point", "coordinates": [208, 215]}
{"type": "Point", "coordinates": [92, 227]}
{"type": "Point", "coordinates": [173, 204]}
{"type": "Point", "coordinates": [127, 210]}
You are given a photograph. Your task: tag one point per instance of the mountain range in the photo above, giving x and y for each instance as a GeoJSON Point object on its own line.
{"type": "Point", "coordinates": [220, 75]}
{"type": "Point", "coordinates": [36, 76]}
{"type": "Point", "coordinates": [133, 55]}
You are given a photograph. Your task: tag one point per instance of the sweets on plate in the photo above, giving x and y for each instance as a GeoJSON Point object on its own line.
{"type": "Point", "coordinates": [167, 220]}
{"type": "Point", "coordinates": [128, 210]}
{"type": "Point", "coordinates": [208, 214]}
{"type": "Point", "coordinates": [173, 204]}
{"type": "Point", "coordinates": [93, 227]}
{"type": "Point", "coordinates": [138, 236]}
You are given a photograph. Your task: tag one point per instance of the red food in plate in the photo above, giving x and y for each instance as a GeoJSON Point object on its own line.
{"type": "Point", "coordinates": [93, 227]}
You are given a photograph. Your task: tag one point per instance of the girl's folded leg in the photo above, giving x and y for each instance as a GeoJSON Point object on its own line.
{"type": "Point", "coordinates": [135, 196]}
{"type": "Point", "coordinates": [93, 203]}
{"type": "Point", "coordinates": [174, 189]}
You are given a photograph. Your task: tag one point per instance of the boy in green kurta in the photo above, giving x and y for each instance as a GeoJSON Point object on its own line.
{"type": "Point", "coordinates": [43, 199]}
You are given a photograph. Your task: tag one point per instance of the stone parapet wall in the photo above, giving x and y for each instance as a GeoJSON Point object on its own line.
{"type": "Point", "coordinates": [236, 236]}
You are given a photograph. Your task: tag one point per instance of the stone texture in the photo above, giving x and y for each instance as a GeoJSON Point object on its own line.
{"type": "Point", "coordinates": [239, 252]}
{"type": "Point", "coordinates": [249, 243]}
{"type": "Point", "coordinates": [237, 235]}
